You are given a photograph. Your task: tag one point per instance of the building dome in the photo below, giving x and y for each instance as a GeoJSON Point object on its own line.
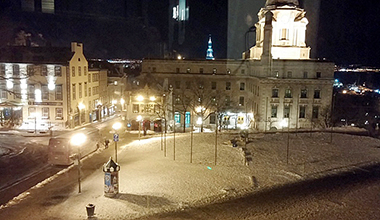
{"type": "Point", "coordinates": [282, 2]}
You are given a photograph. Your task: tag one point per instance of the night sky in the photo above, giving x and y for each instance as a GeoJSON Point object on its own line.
{"type": "Point", "coordinates": [343, 31]}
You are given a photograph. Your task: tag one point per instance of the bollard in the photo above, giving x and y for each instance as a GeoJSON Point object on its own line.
{"type": "Point", "coordinates": [90, 210]}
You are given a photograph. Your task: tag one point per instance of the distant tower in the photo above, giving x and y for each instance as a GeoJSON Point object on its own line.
{"type": "Point", "coordinates": [210, 51]}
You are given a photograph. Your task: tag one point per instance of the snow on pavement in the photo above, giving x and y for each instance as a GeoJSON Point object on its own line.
{"type": "Point", "coordinates": [152, 183]}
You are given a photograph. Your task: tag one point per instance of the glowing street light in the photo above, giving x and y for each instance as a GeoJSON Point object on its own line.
{"type": "Point", "coordinates": [152, 98]}
{"type": "Point", "coordinates": [78, 140]}
{"type": "Point", "coordinates": [116, 126]}
{"type": "Point", "coordinates": [140, 98]}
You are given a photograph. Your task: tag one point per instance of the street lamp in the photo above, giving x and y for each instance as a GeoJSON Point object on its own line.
{"type": "Point", "coordinates": [34, 115]}
{"type": "Point", "coordinates": [116, 126]}
{"type": "Point", "coordinates": [77, 140]}
{"type": "Point", "coordinates": [139, 118]}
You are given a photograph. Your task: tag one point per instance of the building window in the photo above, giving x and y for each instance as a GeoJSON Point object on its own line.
{"type": "Point", "coordinates": [58, 113]}
{"type": "Point", "coordinates": [243, 71]}
{"type": "Point", "coordinates": [16, 70]}
{"type": "Point", "coordinates": [17, 90]}
{"type": "Point", "coordinates": [45, 92]}
{"type": "Point", "coordinates": [213, 85]}
{"type": "Point", "coordinates": [32, 112]}
{"type": "Point", "coordinates": [89, 77]}
{"type": "Point", "coordinates": [58, 92]}
{"type": "Point", "coordinates": [45, 113]}
{"type": "Point", "coordinates": [29, 70]}
{"type": "Point", "coordinates": [80, 90]}
{"type": "Point", "coordinates": [275, 93]}
{"type": "Point", "coordinates": [57, 71]}
{"type": "Point", "coordinates": [74, 92]}
{"type": "Point", "coordinates": [288, 93]}
{"type": "Point", "coordinates": [242, 86]}
{"type": "Point", "coordinates": [302, 111]}
{"type": "Point", "coordinates": [317, 94]}
{"type": "Point", "coordinates": [241, 101]}
{"type": "Point", "coordinates": [73, 71]}
{"type": "Point", "coordinates": [188, 85]}
{"type": "Point", "coordinates": [303, 93]}
{"type": "Point", "coordinates": [31, 89]}
{"type": "Point", "coordinates": [85, 89]}
{"type": "Point", "coordinates": [200, 85]}
{"type": "Point", "coordinates": [274, 111]}
{"type": "Point", "coordinates": [214, 71]}
{"type": "Point", "coordinates": [212, 119]}
{"type": "Point", "coordinates": [2, 69]}
{"type": "Point", "coordinates": [318, 75]}
{"type": "Point", "coordinates": [284, 34]}
{"type": "Point", "coordinates": [228, 85]}
{"type": "Point", "coordinates": [79, 71]}
{"type": "Point", "coordinates": [305, 75]}
{"type": "Point", "coordinates": [315, 111]}
{"type": "Point", "coordinates": [43, 70]}
{"type": "Point", "coordinates": [47, 6]}
{"type": "Point", "coordinates": [177, 84]}
{"type": "Point", "coordinates": [276, 74]}
{"type": "Point", "coordinates": [85, 70]}
{"type": "Point", "coordinates": [290, 74]}
{"type": "Point", "coordinates": [188, 70]}
{"type": "Point", "coordinates": [89, 91]}
{"type": "Point", "coordinates": [200, 70]}
{"type": "Point", "coordinates": [177, 70]}
{"type": "Point", "coordinates": [227, 101]}
{"type": "Point", "coordinates": [136, 108]}
{"type": "Point", "coordinates": [286, 111]}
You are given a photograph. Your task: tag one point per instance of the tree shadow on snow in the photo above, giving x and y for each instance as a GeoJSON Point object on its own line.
{"type": "Point", "coordinates": [147, 201]}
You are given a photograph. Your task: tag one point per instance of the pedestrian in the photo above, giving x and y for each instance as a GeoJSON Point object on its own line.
{"type": "Point", "coordinates": [106, 143]}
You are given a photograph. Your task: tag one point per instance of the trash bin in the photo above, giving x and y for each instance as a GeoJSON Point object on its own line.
{"type": "Point", "coordinates": [90, 210]}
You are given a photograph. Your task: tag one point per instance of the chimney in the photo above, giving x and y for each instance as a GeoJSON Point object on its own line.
{"type": "Point", "coordinates": [76, 47]}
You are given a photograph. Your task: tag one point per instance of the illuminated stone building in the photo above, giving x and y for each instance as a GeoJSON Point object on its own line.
{"type": "Point", "coordinates": [275, 85]}
{"type": "Point", "coordinates": [47, 90]}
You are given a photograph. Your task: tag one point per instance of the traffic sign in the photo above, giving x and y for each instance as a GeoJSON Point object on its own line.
{"type": "Point", "coordinates": [115, 137]}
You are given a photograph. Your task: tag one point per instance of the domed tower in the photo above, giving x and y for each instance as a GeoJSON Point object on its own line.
{"type": "Point", "coordinates": [284, 22]}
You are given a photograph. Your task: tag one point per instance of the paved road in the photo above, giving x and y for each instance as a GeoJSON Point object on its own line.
{"type": "Point", "coordinates": [353, 195]}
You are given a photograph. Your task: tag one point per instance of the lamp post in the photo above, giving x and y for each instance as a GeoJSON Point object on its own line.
{"type": "Point", "coordinates": [34, 115]}
{"type": "Point", "coordinates": [116, 126]}
{"type": "Point", "coordinates": [139, 118]}
{"type": "Point", "coordinates": [77, 140]}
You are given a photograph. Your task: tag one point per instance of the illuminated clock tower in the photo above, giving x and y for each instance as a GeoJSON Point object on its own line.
{"type": "Point", "coordinates": [281, 32]}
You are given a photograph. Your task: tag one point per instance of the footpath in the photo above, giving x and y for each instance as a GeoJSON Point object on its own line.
{"type": "Point", "coordinates": [155, 179]}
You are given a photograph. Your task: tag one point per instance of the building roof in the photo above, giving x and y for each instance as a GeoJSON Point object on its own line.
{"type": "Point", "coordinates": [282, 2]}
{"type": "Point", "coordinates": [35, 55]}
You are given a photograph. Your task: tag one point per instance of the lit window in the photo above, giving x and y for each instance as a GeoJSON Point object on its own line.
{"type": "Point", "coordinates": [59, 113]}
{"type": "Point", "coordinates": [58, 92]}
{"type": "Point", "coordinates": [286, 111]}
{"type": "Point", "coordinates": [275, 93]}
{"type": "Point", "coordinates": [288, 93]}
{"type": "Point", "coordinates": [45, 113]}
{"type": "Point", "coordinates": [274, 111]}
{"type": "Point", "coordinates": [241, 101]}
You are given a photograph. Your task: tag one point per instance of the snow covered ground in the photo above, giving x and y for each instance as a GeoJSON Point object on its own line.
{"type": "Point", "coordinates": [155, 178]}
